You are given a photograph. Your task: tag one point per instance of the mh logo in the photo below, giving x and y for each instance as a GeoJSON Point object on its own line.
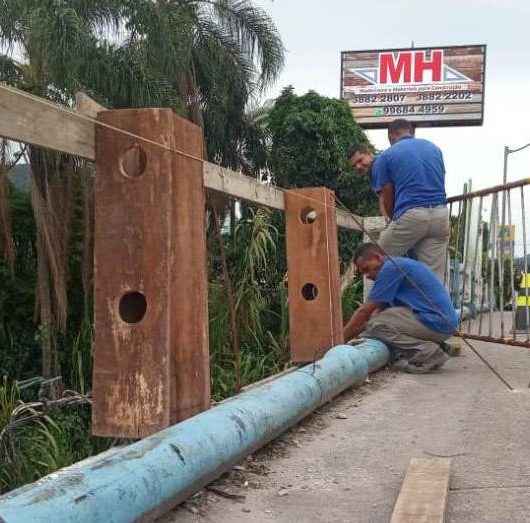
{"type": "Point", "coordinates": [410, 67]}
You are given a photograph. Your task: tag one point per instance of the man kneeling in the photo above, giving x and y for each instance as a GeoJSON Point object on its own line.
{"type": "Point", "coordinates": [408, 309]}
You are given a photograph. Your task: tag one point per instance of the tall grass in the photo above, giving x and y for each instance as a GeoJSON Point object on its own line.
{"type": "Point", "coordinates": [261, 307]}
{"type": "Point", "coordinates": [35, 442]}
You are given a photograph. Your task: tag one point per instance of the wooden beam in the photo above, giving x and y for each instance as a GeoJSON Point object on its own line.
{"type": "Point", "coordinates": [240, 186]}
{"type": "Point", "coordinates": [85, 105]}
{"type": "Point", "coordinates": [29, 119]}
{"type": "Point", "coordinates": [423, 495]}
{"type": "Point", "coordinates": [244, 187]}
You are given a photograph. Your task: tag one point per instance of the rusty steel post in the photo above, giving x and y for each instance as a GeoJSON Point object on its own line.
{"type": "Point", "coordinates": [151, 344]}
{"type": "Point", "coordinates": [315, 312]}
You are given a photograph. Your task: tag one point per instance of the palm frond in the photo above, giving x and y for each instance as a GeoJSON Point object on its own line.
{"type": "Point", "coordinates": [10, 71]}
{"type": "Point", "coordinates": [254, 31]}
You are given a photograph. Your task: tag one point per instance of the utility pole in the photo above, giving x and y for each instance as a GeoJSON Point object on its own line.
{"type": "Point", "coordinates": [507, 152]}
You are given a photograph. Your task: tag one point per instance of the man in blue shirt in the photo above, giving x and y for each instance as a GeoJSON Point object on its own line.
{"type": "Point", "coordinates": [408, 309]}
{"type": "Point", "coordinates": [409, 178]}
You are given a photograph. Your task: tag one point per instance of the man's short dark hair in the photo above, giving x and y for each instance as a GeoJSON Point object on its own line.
{"type": "Point", "coordinates": [401, 125]}
{"type": "Point", "coordinates": [366, 250]}
{"type": "Point", "coordinates": [359, 148]}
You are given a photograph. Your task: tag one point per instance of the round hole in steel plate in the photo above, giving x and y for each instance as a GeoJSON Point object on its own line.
{"type": "Point", "coordinates": [308, 215]}
{"type": "Point", "coordinates": [310, 291]}
{"type": "Point", "coordinates": [132, 307]}
{"type": "Point", "coordinates": [133, 161]}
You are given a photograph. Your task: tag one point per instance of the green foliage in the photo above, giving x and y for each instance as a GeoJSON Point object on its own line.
{"type": "Point", "coordinates": [261, 306]}
{"type": "Point", "coordinates": [352, 297]}
{"type": "Point", "coordinates": [207, 59]}
{"type": "Point", "coordinates": [310, 137]}
{"type": "Point", "coordinates": [19, 348]}
{"type": "Point", "coordinates": [34, 443]}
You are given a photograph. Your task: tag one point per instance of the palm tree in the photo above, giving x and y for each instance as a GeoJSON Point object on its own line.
{"type": "Point", "coordinates": [9, 157]}
{"type": "Point", "coordinates": [204, 58]}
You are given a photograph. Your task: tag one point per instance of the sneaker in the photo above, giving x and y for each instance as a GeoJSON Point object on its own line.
{"type": "Point", "coordinates": [404, 366]}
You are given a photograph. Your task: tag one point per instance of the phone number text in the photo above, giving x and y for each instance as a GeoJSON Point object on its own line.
{"type": "Point", "coordinates": [411, 109]}
{"type": "Point", "coordinates": [420, 97]}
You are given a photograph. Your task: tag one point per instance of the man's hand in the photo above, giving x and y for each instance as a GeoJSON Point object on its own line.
{"type": "Point", "coordinates": [386, 200]}
{"type": "Point", "coordinates": [359, 320]}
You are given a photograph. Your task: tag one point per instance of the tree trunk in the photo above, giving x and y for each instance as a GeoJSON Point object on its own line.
{"type": "Point", "coordinates": [7, 245]}
{"type": "Point", "coordinates": [53, 179]}
{"type": "Point", "coordinates": [87, 267]}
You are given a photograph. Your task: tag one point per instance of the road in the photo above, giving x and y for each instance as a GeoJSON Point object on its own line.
{"type": "Point", "coordinates": [347, 462]}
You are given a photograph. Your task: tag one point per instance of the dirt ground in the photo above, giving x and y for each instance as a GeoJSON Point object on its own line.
{"type": "Point", "coordinates": [346, 463]}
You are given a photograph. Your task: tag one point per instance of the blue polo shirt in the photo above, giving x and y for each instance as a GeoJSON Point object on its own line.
{"type": "Point", "coordinates": [415, 168]}
{"type": "Point", "coordinates": [398, 284]}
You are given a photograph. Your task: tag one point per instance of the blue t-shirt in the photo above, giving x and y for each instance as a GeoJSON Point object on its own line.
{"type": "Point", "coordinates": [433, 307]}
{"type": "Point", "coordinates": [415, 168]}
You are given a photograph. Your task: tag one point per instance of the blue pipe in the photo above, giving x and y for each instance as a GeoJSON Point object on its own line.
{"type": "Point", "coordinates": [147, 478]}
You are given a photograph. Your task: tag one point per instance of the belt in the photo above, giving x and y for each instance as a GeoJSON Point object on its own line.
{"type": "Point", "coordinates": [433, 206]}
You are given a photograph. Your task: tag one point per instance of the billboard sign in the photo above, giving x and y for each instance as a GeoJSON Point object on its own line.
{"type": "Point", "coordinates": [434, 86]}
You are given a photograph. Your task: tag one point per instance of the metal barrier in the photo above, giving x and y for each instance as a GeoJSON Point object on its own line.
{"type": "Point", "coordinates": [487, 264]}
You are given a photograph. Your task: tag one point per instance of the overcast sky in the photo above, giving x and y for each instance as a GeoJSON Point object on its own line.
{"type": "Point", "coordinates": [314, 33]}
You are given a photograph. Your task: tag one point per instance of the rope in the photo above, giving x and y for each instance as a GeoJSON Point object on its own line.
{"type": "Point", "coordinates": [177, 151]}
{"type": "Point", "coordinates": [330, 286]}
{"type": "Point", "coordinates": [135, 136]}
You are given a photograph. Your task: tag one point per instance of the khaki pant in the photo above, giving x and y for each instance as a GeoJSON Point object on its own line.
{"type": "Point", "coordinates": [425, 230]}
{"type": "Point", "coordinates": [399, 328]}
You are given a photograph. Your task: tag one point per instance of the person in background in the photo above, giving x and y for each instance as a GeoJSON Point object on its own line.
{"type": "Point", "coordinates": [409, 178]}
{"type": "Point", "coordinates": [408, 309]}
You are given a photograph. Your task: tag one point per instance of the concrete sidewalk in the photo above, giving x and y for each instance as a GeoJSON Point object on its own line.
{"type": "Point", "coordinates": [352, 470]}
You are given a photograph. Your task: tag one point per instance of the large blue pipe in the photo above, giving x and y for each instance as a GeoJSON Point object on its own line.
{"type": "Point", "coordinates": [143, 480]}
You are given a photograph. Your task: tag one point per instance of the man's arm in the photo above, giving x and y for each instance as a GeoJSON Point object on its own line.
{"type": "Point", "coordinates": [386, 200]}
{"type": "Point", "coordinates": [358, 321]}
